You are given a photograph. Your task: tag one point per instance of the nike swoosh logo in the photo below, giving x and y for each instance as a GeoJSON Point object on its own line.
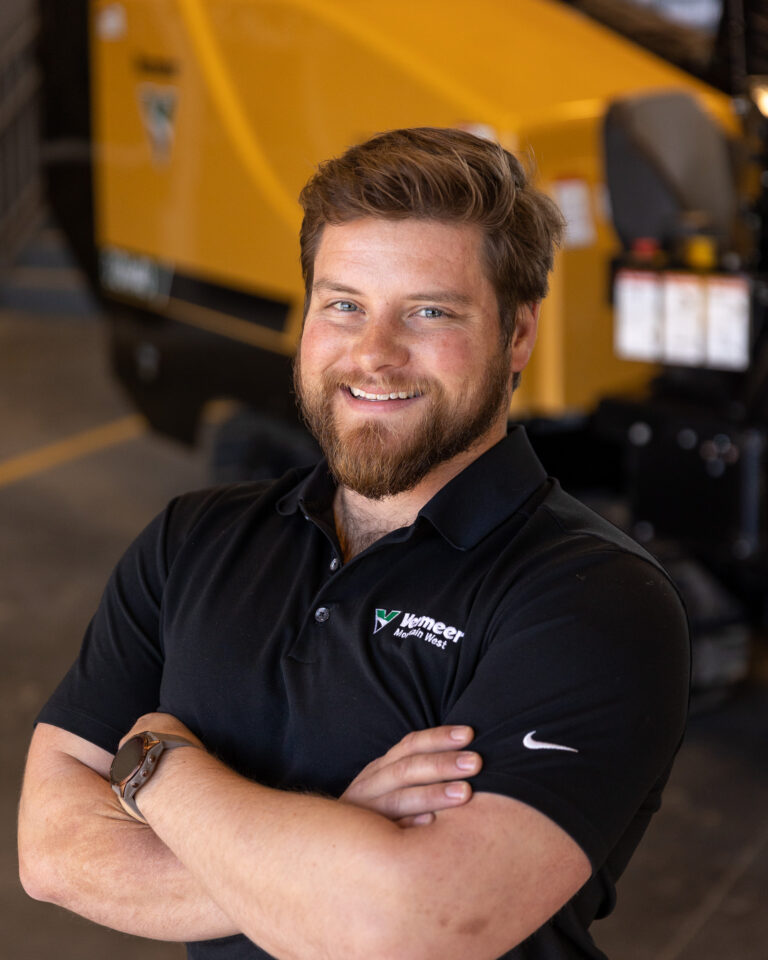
{"type": "Point", "coordinates": [532, 744]}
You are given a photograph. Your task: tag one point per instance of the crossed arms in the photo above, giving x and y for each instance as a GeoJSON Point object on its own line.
{"type": "Point", "coordinates": [406, 864]}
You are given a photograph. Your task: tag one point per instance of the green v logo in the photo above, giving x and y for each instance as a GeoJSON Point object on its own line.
{"type": "Point", "coordinates": [383, 618]}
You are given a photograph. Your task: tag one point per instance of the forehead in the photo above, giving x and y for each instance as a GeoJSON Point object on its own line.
{"type": "Point", "coordinates": [402, 250]}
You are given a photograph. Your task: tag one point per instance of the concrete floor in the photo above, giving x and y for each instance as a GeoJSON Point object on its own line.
{"type": "Point", "coordinates": [696, 888]}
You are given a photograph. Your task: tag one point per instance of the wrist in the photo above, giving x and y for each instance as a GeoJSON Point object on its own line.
{"type": "Point", "coordinates": [137, 763]}
{"type": "Point", "coordinates": [153, 795]}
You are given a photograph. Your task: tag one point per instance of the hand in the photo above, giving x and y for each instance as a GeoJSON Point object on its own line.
{"type": "Point", "coordinates": [420, 775]}
{"type": "Point", "coordinates": [161, 723]}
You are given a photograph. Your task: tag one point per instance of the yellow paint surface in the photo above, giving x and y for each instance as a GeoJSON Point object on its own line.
{"type": "Point", "coordinates": [263, 90]}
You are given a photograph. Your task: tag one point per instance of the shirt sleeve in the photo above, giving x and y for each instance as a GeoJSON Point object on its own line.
{"type": "Point", "coordinates": [117, 675]}
{"type": "Point", "coordinates": [580, 699]}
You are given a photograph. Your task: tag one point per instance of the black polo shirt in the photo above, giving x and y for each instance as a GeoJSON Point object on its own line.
{"type": "Point", "coordinates": [506, 605]}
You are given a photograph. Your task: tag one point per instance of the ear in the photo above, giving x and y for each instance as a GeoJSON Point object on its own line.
{"type": "Point", "coordinates": [524, 337]}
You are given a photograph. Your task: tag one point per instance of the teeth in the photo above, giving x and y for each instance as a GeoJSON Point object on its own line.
{"type": "Point", "coordinates": [401, 395]}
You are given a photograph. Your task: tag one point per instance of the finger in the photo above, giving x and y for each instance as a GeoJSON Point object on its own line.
{"type": "Point", "coordinates": [429, 740]}
{"type": "Point", "coordinates": [418, 770]}
{"type": "Point", "coordinates": [412, 802]}
{"type": "Point", "coordinates": [422, 820]}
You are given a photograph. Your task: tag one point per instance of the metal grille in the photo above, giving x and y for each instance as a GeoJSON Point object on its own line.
{"type": "Point", "coordinates": [19, 130]}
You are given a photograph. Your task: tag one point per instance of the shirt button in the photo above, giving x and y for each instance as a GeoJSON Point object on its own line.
{"type": "Point", "coordinates": [322, 614]}
{"type": "Point", "coordinates": [334, 564]}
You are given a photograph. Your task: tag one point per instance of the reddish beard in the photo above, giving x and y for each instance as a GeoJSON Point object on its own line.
{"type": "Point", "coordinates": [376, 460]}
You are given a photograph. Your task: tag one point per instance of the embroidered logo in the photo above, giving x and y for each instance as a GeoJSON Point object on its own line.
{"type": "Point", "coordinates": [383, 618]}
{"type": "Point", "coordinates": [438, 633]}
{"type": "Point", "coordinates": [533, 744]}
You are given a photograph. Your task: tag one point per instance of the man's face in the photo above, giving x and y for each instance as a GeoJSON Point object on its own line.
{"type": "Point", "coordinates": [401, 366]}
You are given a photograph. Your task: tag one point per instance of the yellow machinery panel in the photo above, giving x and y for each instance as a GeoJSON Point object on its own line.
{"type": "Point", "coordinates": [209, 115]}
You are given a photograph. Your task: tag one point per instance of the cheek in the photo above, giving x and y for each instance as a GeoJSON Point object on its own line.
{"type": "Point", "coordinates": [451, 357]}
{"type": "Point", "coordinates": [318, 350]}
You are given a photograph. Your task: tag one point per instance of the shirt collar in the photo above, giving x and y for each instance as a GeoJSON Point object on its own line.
{"type": "Point", "coordinates": [312, 495]}
{"type": "Point", "coordinates": [468, 508]}
{"type": "Point", "coordinates": [487, 492]}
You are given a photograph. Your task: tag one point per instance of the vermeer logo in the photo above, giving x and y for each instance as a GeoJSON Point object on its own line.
{"type": "Point", "coordinates": [425, 628]}
{"type": "Point", "coordinates": [383, 618]}
{"type": "Point", "coordinates": [157, 105]}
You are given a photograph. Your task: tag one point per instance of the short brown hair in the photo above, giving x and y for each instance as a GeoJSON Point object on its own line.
{"type": "Point", "coordinates": [447, 175]}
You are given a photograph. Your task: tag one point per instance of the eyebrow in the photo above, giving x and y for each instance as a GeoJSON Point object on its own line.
{"type": "Point", "coordinates": [333, 287]}
{"type": "Point", "coordinates": [435, 296]}
{"type": "Point", "coordinates": [443, 296]}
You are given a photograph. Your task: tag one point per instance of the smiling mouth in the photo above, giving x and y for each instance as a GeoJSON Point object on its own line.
{"type": "Point", "coordinates": [395, 395]}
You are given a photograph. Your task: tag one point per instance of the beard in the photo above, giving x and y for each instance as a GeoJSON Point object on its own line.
{"type": "Point", "coordinates": [377, 460]}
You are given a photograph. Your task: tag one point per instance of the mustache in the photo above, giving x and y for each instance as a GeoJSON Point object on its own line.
{"type": "Point", "coordinates": [392, 383]}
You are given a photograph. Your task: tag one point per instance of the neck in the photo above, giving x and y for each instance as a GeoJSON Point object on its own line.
{"type": "Point", "coordinates": [361, 521]}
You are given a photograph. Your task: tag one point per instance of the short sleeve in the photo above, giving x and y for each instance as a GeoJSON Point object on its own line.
{"type": "Point", "coordinates": [117, 674]}
{"type": "Point", "coordinates": [579, 702]}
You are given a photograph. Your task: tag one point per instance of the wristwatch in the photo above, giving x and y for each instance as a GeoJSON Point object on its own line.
{"type": "Point", "coordinates": [136, 761]}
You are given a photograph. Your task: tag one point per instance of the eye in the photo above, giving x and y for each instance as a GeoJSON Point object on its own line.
{"type": "Point", "coordinates": [431, 313]}
{"type": "Point", "coordinates": [344, 306]}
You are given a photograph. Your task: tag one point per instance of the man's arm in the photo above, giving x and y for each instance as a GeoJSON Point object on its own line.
{"type": "Point", "coordinates": [308, 877]}
{"type": "Point", "coordinates": [77, 847]}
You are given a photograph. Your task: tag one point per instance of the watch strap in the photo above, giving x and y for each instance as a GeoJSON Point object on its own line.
{"type": "Point", "coordinates": [157, 745]}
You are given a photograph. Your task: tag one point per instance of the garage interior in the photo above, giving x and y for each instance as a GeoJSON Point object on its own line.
{"type": "Point", "coordinates": [81, 473]}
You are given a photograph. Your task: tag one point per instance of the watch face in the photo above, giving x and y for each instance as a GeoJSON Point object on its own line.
{"type": "Point", "coordinates": [128, 759]}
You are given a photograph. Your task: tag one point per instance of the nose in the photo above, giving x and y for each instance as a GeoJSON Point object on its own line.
{"type": "Point", "coordinates": [381, 343]}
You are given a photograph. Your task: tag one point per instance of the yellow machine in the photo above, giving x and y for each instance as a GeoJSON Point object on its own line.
{"type": "Point", "coordinates": [209, 115]}
{"type": "Point", "coordinates": [202, 119]}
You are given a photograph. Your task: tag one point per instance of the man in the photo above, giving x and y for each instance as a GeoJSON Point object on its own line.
{"type": "Point", "coordinates": [426, 701]}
